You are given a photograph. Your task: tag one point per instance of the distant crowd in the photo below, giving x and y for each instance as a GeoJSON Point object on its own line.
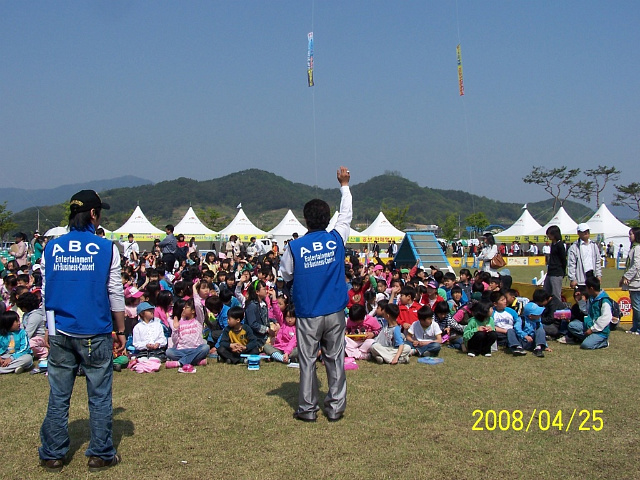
{"type": "Point", "coordinates": [184, 310]}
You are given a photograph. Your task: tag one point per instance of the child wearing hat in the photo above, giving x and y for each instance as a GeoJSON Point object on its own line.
{"type": "Point", "coordinates": [529, 334]}
{"type": "Point", "coordinates": [148, 336]}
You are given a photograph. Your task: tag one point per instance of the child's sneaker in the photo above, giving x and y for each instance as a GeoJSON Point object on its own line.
{"type": "Point", "coordinates": [471, 354]}
{"type": "Point", "coordinates": [518, 352]}
{"type": "Point", "coordinates": [538, 352]}
{"type": "Point", "coordinates": [487, 354]}
{"type": "Point", "coordinates": [379, 360]}
{"type": "Point", "coordinates": [171, 364]}
{"type": "Point", "coordinates": [202, 363]}
{"type": "Point", "coordinates": [187, 369]}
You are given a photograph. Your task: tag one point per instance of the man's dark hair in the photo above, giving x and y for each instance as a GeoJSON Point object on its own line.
{"type": "Point", "coordinates": [81, 220]}
{"type": "Point", "coordinates": [169, 227]}
{"type": "Point", "coordinates": [317, 214]}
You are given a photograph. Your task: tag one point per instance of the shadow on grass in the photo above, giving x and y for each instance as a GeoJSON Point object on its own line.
{"type": "Point", "coordinates": [80, 432]}
{"type": "Point", "coordinates": [288, 391]}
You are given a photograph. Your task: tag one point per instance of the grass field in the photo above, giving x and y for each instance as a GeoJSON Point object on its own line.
{"type": "Point", "coordinates": [403, 421]}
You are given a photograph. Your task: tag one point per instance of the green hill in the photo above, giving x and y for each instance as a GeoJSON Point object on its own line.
{"type": "Point", "coordinates": [265, 198]}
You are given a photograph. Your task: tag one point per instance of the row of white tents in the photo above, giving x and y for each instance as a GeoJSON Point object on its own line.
{"type": "Point", "coordinates": [142, 229]}
{"type": "Point", "coordinates": [603, 226]}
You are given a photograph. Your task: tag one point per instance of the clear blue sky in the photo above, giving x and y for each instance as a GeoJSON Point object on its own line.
{"type": "Point", "coordinates": [97, 89]}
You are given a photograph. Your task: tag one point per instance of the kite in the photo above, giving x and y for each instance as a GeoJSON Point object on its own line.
{"type": "Point", "coordinates": [460, 83]}
{"type": "Point", "coordinates": [310, 59]}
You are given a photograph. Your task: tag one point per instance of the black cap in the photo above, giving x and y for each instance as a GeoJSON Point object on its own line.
{"type": "Point", "coordinates": [85, 200]}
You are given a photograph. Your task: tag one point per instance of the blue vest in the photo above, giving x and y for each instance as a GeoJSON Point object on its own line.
{"type": "Point", "coordinates": [319, 284]}
{"type": "Point", "coordinates": [77, 267]}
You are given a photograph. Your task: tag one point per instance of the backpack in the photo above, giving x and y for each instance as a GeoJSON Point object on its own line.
{"type": "Point", "coordinates": [615, 312]}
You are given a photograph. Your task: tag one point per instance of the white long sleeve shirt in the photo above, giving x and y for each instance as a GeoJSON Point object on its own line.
{"type": "Point", "coordinates": [148, 333]}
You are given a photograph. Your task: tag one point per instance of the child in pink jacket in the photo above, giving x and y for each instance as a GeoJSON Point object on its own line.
{"type": "Point", "coordinates": [359, 323]}
{"type": "Point", "coordinates": [283, 347]}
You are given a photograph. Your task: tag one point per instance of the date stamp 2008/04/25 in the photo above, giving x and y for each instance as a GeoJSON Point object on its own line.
{"type": "Point", "coordinates": [503, 420]}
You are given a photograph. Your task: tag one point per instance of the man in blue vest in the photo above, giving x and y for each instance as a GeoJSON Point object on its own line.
{"type": "Point", "coordinates": [83, 297]}
{"type": "Point", "coordinates": [315, 262]}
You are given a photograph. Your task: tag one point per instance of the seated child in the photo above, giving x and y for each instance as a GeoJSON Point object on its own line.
{"type": "Point", "coordinates": [593, 331]}
{"type": "Point", "coordinates": [512, 301]}
{"type": "Point", "coordinates": [456, 301]}
{"type": "Point", "coordinates": [480, 335]}
{"type": "Point", "coordinates": [552, 326]}
{"type": "Point", "coordinates": [15, 354]}
{"type": "Point", "coordinates": [528, 334]}
{"type": "Point", "coordinates": [360, 323]}
{"type": "Point", "coordinates": [407, 306]}
{"type": "Point", "coordinates": [33, 322]}
{"type": "Point", "coordinates": [356, 295]}
{"type": "Point", "coordinates": [187, 324]}
{"type": "Point", "coordinates": [451, 329]}
{"type": "Point", "coordinates": [379, 313]}
{"type": "Point", "coordinates": [148, 334]}
{"type": "Point", "coordinates": [389, 346]}
{"type": "Point", "coordinates": [504, 318]}
{"type": "Point", "coordinates": [236, 338]}
{"type": "Point", "coordinates": [284, 346]}
{"type": "Point", "coordinates": [424, 337]}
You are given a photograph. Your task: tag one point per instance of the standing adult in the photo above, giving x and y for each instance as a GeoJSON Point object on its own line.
{"type": "Point", "coordinates": [129, 246]}
{"type": "Point", "coordinates": [631, 278]}
{"type": "Point", "coordinates": [375, 249]}
{"type": "Point", "coordinates": [315, 262]}
{"type": "Point", "coordinates": [83, 297]}
{"type": "Point", "coordinates": [20, 249]}
{"type": "Point", "coordinates": [489, 250]}
{"type": "Point", "coordinates": [556, 263]}
{"type": "Point", "coordinates": [168, 247]}
{"type": "Point", "coordinates": [583, 258]}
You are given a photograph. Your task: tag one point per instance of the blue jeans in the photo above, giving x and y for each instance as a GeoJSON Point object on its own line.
{"type": "Point", "coordinates": [188, 356]}
{"type": "Point", "coordinates": [635, 307]}
{"type": "Point", "coordinates": [96, 358]}
{"type": "Point", "coordinates": [591, 342]}
{"type": "Point", "coordinates": [539, 338]}
{"type": "Point", "coordinates": [432, 349]}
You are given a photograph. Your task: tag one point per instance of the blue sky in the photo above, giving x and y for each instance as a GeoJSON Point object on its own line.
{"type": "Point", "coordinates": [98, 89]}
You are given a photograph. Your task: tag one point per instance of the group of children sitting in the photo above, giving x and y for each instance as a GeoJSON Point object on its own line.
{"type": "Point", "coordinates": [232, 308]}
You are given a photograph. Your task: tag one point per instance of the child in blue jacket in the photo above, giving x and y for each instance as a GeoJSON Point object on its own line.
{"type": "Point", "coordinates": [529, 333]}
{"type": "Point", "coordinates": [15, 353]}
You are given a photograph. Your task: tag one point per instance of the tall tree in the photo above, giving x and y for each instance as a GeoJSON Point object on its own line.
{"type": "Point", "coordinates": [6, 224]}
{"type": "Point", "coordinates": [209, 217]}
{"type": "Point", "coordinates": [450, 227]}
{"type": "Point", "coordinates": [396, 215]}
{"type": "Point", "coordinates": [629, 196]}
{"type": "Point", "coordinates": [560, 182]}
{"type": "Point", "coordinates": [478, 221]}
{"type": "Point", "coordinates": [599, 178]}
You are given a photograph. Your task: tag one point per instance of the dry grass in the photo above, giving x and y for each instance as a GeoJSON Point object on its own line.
{"type": "Point", "coordinates": [411, 421]}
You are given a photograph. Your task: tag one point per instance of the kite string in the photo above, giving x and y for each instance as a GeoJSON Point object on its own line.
{"type": "Point", "coordinates": [466, 122]}
{"type": "Point", "coordinates": [313, 102]}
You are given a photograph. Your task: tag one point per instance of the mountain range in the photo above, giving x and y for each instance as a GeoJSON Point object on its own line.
{"type": "Point", "coordinates": [265, 198]}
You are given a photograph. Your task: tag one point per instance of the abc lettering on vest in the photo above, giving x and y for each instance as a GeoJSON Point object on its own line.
{"type": "Point", "coordinates": [322, 254]}
{"type": "Point", "coordinates": [79, 259]}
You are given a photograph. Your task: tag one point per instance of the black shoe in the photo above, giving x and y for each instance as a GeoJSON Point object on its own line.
{"type": "Point", "coordinates": [52, 465]}
{"type": "Point", "coordinates": [96, 463]}
{"type": "Point", "coordinates": [335, 418]}
{"type": "Point", "coordinates": [538, 353]}
{"type": "Point", "coordinates": [302, 418]}
{"type": "Point", "coordinates": [518, 352]}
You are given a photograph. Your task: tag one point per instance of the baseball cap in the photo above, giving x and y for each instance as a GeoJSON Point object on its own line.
{"type": "Point", "coordinates": [583, 227]}
{"type": "Point", "coordinates": [378, 268]}
{"type": "Point", "coordinates": [144, 306]}
{"type": "Point", "coordinates": [532, 308]}
{"type": "Point", "coordinates": [85, 200]}
{"type": "Point", "coordinates": [133, 292]}
{"type": "Point", "coordinates": [432, 284]}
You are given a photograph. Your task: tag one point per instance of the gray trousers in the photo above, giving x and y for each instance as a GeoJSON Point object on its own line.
{"type": "Point", "coordinates": [553, 286]}
{"type": "Point", "coordinates": [328, 332]}
{"type": "Point", "coordinates": [24, 361]}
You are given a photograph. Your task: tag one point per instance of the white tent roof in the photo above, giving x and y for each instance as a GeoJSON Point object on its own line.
{"type": "Point", "coordinates": [242, 227]}
{"type": "Point", "coordinates": [288, 226]}
{"type": "Point", "coordinates": [606, 223]}
{"type": "Point", "coordinates": [521, 227]}
{"type": "Point", "coordinates": [138, 225]}
{"type": "Point", "coordinates": [562, 220]}
{"type": "Point", "coordinates": [190, 225]}
{"type": "Point", "coordinates": [332, 224]}
{"type": "Point", "coordinates": [382, 230]}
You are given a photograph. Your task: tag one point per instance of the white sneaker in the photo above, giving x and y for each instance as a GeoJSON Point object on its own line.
{"type": "Point", "coordinates": [487, 354]}
{"type": "Point", "coordinates": [21, 369]}
{"type": "Point", "coordinates": [470, 354]}
{"type": "Point", "coordinates": [562, 339]}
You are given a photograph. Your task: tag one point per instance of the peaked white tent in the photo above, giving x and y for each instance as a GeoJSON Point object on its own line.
{"type": "Point", "coordinates": [139, 226]}
{"type": "Point", "coordinates": [520, 228]}
{"type": "Point", "coordinates": [604, 226]}
{"type": "Point", "coordinates": [286, 228]}
{"type": "Point", "coordinates": [242, 227]}
{"type": "Point", "coordinates": [354, 236]}
{"type": "Point", "coordinates": [191, 226]}
{"type": "Point", "coordinates": [563, 221]}
{"type": "Point", "coordinates": [381, 230]}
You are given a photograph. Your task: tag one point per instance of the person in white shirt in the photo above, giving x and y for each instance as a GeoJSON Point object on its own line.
{"type": "Point", "coordinates": [425, 336]}
{"type": "Point", "coordinates": [583, 258]}
{"type": "Point", "coordinates": [129, 246]}
{"type": "Point", "coordinates": [148, 335]}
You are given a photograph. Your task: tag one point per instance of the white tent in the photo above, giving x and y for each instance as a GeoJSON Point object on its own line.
{"type": "Point", "coordinates": [520, 228]}
{"type": "Point", "coordinates": [286, 228]}
{"type": "Point", "coordinates": [139, 226]}
{"type": "Point", "coordinates": [354, 236]}
{"type": "Point", "coordinates": [242, 227]}
{"type": "Point", "coordinates": [381, 230]}
{"type": "Point", "coordinates": [604, 226]}
{"type": "Point", "coordinates": [191, 226]}
{"type": "Point", "coordinates": [562, 220]}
